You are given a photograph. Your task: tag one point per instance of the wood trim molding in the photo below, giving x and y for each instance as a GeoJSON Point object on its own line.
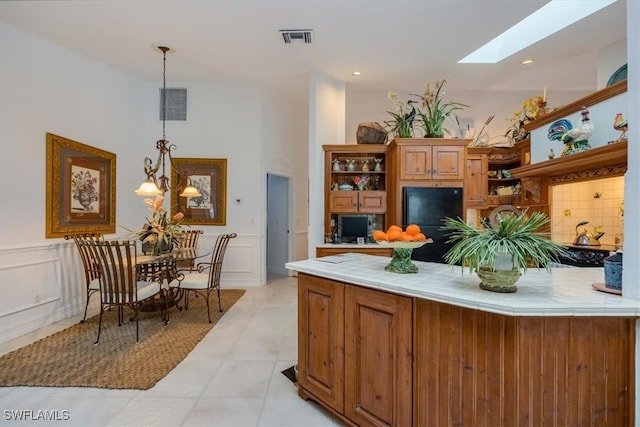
{"type": "Point", "coordinates": [587, 101]}
{"type": "Point", "coordinates": [601, 162]}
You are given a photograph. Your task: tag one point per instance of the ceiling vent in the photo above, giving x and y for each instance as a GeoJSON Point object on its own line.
{"type": "Point", "coordinates": [290, 36]}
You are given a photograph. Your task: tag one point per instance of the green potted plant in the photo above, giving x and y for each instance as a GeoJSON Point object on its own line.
{"type": "Point", "coordinates": [403, 117]}
{"type": "Point", "coordinates": [499, 255]}
{"type": "Point", "coordinates": [435, 110]}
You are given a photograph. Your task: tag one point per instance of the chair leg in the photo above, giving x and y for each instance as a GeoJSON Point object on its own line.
{"type": "Point", "coordinates": [206, 299]}
{"type": "Point", "coordinates": [219, 302]}
{"type": "Point", "coordinates": [99, 324]}
{"type": "Point", "coordinates": [86, 306]}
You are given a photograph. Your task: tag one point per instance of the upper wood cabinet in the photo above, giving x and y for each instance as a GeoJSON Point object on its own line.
{"type": "Point", "coordinates": [476, 179]}
{"type": "Point", "coordinates": [423, 162]}
{"type": "Point", "coordinates": [431, 162]}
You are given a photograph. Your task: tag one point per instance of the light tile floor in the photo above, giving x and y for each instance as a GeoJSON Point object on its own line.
{"type": "Point", "coordinates": [231, 378]}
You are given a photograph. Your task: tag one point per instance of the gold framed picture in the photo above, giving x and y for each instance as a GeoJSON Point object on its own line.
{"type": "Point", "coordinates": [209, 176]}
{"type": "Point", "coordinates": [81, 188]}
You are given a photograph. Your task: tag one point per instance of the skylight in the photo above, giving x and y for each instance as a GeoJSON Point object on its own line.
{"type": "Point", "coordinates": [552, 17]}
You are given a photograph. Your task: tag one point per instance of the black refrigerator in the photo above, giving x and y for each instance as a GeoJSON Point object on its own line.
{"type": "Point", "coordinates": [426, 207]}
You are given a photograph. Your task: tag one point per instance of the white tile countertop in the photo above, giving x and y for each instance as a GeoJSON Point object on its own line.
{"type": "Point", "coordinates": [349, 245]}
{"type": "Point", "coordinates": [563, 292]}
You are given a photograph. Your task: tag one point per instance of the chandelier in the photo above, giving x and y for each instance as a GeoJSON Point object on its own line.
{"type": "Point", "coordinates": [150, 186]}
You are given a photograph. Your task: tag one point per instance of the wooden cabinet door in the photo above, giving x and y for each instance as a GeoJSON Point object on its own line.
{"type": "Point", "coordinates": [321, 339]}
{"type": "Point", "coordinates": [378, 358]}
{"type": "Point", "coordinates": [476, 181]}
{"type": "Point", "coordinates": [415, 162]}
{"type": "Point", "coordinates": [447, 162]}
{"type": "Point", "coordinates": [343, 201]}
{"type": "Point", "coordinates": [372, 201]}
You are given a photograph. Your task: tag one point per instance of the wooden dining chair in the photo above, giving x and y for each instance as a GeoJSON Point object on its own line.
{"type": "Point", "coordinates": [121, 285]}
{"type": "Point", "coordinates": [189, 240]}
{"type": "Point", "coordinates": [206, 278]}
{"type": "Point", "coordinates": [91, 268]}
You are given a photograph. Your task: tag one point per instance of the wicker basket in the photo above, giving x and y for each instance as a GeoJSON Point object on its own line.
{"type": "Point", "coordinates": [371, 133]}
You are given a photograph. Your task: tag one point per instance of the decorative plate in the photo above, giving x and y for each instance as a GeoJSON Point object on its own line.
{"type": "Point", "coordinates": [403, 245]}
{"type": "Point", "coordinates": [502, 210]}
{"type": "Point", "coordinates": [346, 187]}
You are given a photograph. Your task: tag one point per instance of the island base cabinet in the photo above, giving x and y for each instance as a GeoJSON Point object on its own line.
{"type": "Point", "coordinates": [321, 340]}
{"type": "Point", "coordinates": [378, 357]}
{"type": "Point", "coordinates": [355, 351]}
{"type": "Point", "coordinates": [474, 368]}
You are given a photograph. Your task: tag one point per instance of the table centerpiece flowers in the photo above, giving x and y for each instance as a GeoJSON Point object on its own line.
{"type": "Point", "coordinates": [160, 231]}
{"type": "Point", "coordinates": [435, 111]}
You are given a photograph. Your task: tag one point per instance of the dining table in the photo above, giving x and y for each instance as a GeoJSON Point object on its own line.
{"type": "Point", "coordinates": [163, 268]}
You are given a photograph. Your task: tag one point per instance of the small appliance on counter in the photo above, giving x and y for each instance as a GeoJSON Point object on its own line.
{"type": "Point", "coordinates": [585, 238]}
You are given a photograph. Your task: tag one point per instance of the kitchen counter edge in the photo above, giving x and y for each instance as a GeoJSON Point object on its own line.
{"type": "Point", "coordinates": [562, 292]}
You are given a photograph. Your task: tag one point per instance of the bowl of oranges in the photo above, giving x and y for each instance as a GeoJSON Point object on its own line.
{"type": "Point", "coordinates": [403, 243]}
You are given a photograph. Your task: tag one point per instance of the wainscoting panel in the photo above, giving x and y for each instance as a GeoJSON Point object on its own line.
{"type": "Point", "coordinates": [39, 285]}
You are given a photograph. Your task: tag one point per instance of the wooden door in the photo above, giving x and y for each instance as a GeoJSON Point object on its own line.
{"type": "Point", "coordinates": [447, 162]}
{"type": "Point", "coordinates": [476, 181]}
{"type": "Point", "coordinates": [378, 358]}
{"type": "Point", "coordinates": [343, 201]}
{"type": "Point", "coordinates": [415, 162]}
{"type": "Point", "coordinates": [321, 340]}
{"type": "Point", "coordinates": [372, 201]}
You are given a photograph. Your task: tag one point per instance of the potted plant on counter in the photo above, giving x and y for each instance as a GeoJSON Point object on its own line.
{"type": "Point", "coordinates": [500, 254]}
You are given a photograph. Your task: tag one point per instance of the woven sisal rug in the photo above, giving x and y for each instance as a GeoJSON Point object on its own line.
{"type": "Point", "coordinates": [69, 358]}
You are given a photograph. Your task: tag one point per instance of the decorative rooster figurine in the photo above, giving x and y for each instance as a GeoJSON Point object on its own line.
{"type": "Point", "coordinates": [577, 139]}
{"type": "Point", "coordinates": [620, 123]}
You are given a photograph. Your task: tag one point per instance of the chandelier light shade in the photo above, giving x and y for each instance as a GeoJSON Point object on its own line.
{"type": "Point", "coordinates": [150, 186]}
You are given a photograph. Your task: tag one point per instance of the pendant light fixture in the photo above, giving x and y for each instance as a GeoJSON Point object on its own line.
{"type": "Point", "coordinates": [150, 186]}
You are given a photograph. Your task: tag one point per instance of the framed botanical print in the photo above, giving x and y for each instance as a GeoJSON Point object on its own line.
{"type": "Point", "coordinates": [81, 188]}
{"type": "Point", "coordinates": [209, 176]}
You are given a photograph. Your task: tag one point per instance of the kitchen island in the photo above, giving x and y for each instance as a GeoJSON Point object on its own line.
{"type": "Point", "coordinates": [432, 348]}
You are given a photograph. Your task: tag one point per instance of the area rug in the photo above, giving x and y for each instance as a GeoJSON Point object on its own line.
{"type": "Point", "coordinates": [69, 358]}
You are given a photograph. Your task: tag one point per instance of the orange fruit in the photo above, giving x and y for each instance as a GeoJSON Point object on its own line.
{"type": "Point", "coordinates": [379, 235]}
{"type": "Point", "coordinates": [420, 237]}
{"type": "Point", "coordinates": [406, 237]}
{"type": "Point", "coordinates": [394, 235]}
{"type": "Point", "coordinates": [394, 228]}
{"type": "Point", "coordinates": [412, 229]}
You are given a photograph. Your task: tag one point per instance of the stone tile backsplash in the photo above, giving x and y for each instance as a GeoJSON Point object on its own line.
{"type": "Point", "coordinates": [600, 202]}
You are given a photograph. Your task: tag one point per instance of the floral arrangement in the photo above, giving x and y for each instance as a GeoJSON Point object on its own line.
{"type": "Point", "coordinates": [435, 111]}
{"type": "Point", "coordinates": [403, 116]}
{"type": "Point", "coordinates": [160, 231]}
{"type": "Point", "coordinates": [532, 109]}
{"type": "Point", "coordinates": [360, 181]}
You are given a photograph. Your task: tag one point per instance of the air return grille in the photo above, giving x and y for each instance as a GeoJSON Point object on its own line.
{"type": "Point", "coordinates": [176, 103]}
{"type": "Point", "coordinates": [290, 36]}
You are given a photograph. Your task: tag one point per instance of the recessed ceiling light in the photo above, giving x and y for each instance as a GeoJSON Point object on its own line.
{"type": "Point", "coordinates": [356, 73]}
{"type": "Point", "coordinates": [552, 17]}
{"type": "Point", "coordinates": [527, 62]}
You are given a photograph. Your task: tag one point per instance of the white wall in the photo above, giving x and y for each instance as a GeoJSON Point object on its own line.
{"type": "Point", "coordinates": [372, 106]}
{"type": "Point", "coordinates": [46, 88]}
{"type": "Point", "coordinates": [326, 126]}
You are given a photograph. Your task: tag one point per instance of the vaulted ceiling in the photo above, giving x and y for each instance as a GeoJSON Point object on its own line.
{"type": "Point", "coordinates": [395, 44]}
